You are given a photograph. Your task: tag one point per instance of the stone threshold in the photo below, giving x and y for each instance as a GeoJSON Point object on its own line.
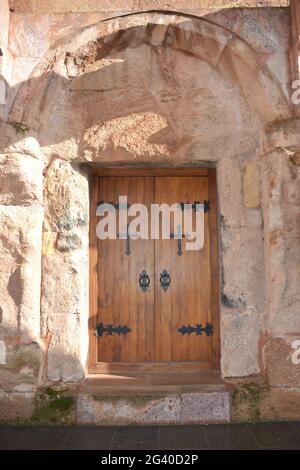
{"type": "Point", "coordinates": [163, 399]}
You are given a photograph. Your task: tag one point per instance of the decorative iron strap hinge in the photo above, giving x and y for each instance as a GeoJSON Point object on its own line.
{"type": "Point", "coordinates": [193, 205]}
{"type": "Point", "coordinates": [110, 329]}
{"type": "Point", "coordinates": [208, 329]}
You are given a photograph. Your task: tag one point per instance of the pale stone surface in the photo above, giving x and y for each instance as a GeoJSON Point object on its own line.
{"type": "Point", "coordinates": [128, 60]}
{"type": "Point", "coordinates": [282, 255]}
{"type": "Point", "coordinates": [240, 333]}
{"type": "Point", "coordinates": [185, 408]}
{"type": "Point", "coordinates": [23, 368]}
{"type": "Point", "coordinates": [20, 249]}
{"type": "Point", "coordinates": [2, 352]}
{"type": "Point", "coordinates": [20, 180]}
{"type": "Point", "coordinates": [65, 263]}
{"type": "Point", "coordinates": [206, 408]}
{"type": "Point", "coordinates": [4, 56]}
{"type": "Point", "coordinates": [66, 197]}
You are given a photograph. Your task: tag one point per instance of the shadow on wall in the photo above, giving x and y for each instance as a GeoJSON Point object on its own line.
{"type": "Point", "coordinates": [150, 91]}
{"type": "Point", "coordinates": [24, 394]}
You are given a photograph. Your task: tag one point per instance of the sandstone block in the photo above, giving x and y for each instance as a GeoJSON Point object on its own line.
{"type": "Point", "coordinates": [280, 368]}
{"type": "Point", "coordinates": [251, 185]}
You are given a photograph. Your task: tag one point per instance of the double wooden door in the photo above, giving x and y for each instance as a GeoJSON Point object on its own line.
{"type": "Point", "coordinates": [154, 303]}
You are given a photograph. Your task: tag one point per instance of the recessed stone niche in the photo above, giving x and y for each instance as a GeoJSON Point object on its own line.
{"type": "Point", "coordinates": [161, 90]}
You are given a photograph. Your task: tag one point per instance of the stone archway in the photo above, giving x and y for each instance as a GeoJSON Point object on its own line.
{"type": "Point", "coordinates": [96, 100]}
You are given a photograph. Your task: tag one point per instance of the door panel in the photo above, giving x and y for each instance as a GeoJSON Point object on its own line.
{"type": "Point", "coordinates": [187, 300]}
{"type": "Point", "coordinates": [121, 301]}
{"type": "Point", "coordinates": [154, 316]}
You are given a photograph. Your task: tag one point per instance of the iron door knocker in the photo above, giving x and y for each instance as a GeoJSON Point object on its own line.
{"type": "Point", "coordinates": [144, 281]}
{"type": "Point", "coordinates": [165, 280]}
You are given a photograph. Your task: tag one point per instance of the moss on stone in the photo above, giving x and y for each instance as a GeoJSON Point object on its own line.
{"type": "Point", "coordinates": [20, 127]}
{"type": "Point", "coordinates": [53, 406]}
{"type": "Point", "coordinates": [248, 397]}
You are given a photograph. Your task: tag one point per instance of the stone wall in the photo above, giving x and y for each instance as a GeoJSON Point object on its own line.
{"type": "Point", "coordinates": [165, 89]}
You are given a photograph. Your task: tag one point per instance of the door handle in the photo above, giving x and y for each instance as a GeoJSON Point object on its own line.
{"type": "Point", "coordinates": [127, 238]}
{"type": "Point", "coordinates": [179, 236]}
{"type": "Point", "coordinates": [165, 280]}
{"type": "Point", "coordinates": [144, 281]}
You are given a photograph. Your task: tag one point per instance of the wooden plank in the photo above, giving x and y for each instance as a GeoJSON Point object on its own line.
{"type": "Point", "coordinates": [187, 300]}
{"type": "Point", "coordinates": [121, 301]}
{"type": "Point", "coordinates": [214, 267]}
{"type": "Point", "coordinates": [133, 172]}
{"type": "Point", "coordinates": [150, 367]}
{"type": "Point", "coordinates": [93, 272]}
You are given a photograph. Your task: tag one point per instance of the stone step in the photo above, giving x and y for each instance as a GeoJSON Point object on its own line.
{"type": "Point", "coordinates": [153, 404]}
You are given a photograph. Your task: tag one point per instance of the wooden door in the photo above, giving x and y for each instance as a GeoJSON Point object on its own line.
{"type": "Point", "coordinates": [187, 301]}
{"type": "Point", "coordinates": [157, 317]}
{"type": "Point", "coordinates": [121, 301]}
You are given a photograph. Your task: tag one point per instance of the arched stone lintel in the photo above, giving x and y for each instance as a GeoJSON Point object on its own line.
{"type": "Point", "coordinates": [206, 40]}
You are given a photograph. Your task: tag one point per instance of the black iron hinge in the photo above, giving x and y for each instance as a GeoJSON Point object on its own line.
{"type": "Point", "coordinates": [208, 329]}
{"type": "Point", "coordinates": [193, 205]}
{"type": "Point", "coordinates": [110, 329]}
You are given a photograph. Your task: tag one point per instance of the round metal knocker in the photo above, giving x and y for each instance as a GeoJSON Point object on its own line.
{"type": "Point", "coordinates": [144, 281]}
{"type": "Point", "coordinates": [165, 280]}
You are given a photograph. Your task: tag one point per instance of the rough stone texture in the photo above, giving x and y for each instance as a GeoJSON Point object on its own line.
{"type": "Point", "coordinates": [65, 263]}
{"type": "Point", "coordinates": [257, 401]}
{"type": "Point", "coordinates": [280, 368]}
{"type": "Point", "coordinates": [173, 122]}
{"type": "Point", "coordinates": [240, 336]}
{"type": "Point", "coordinates": [21, 217]}
{"type": "Point", "coordinates": [166, 409]}
{"type": "Point", "coordinates": [16, 406]}
{"type": "Point", "coordinates": [20, 247]}
{"type": "Point", "coordinates": [20, 180]}
{"type": "Point", "coordinates": [281, 224]}
{"type": "Point", "coordinates": [210, 407]}
{"type": "Point", "coordinates": [59, 6]}
{"type": "Point", "coordinates": [23, 368]}
{"type": "Point", "coordinates": [5, 59]}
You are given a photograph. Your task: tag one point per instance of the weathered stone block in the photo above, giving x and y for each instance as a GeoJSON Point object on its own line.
{"type": "Point", "coordinates": [257, 401]}
{"type": "Point", "coordinates": [243, 266]}
{"type": "Point", "coordinates": [172, 408]}
{"type": "Point", "coordinates": [240, 334]}
{"type": "Point", "coordinates": [67, 198]}
{"type": "Point", "coordinates": [22, 371]}
{"type": "Point", "coordinates": [205, 408]}
{"type": "Point", "coordinates": [20, 278]}
{"type": "Point", "coordinates": [68, 242]}
{"type": "Point", "coordinates": [21, 180]}
{"type": "Point", "coordinates": [281, 370]}
{"type": "Point", "coordinates": [16, 406]}
{"type": "Point", "coordinates": [66, 356]}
